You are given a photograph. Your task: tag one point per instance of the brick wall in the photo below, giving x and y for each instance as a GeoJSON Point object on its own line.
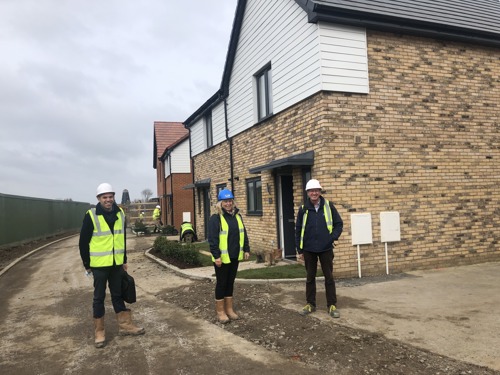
{"type": "Point", "coordinates": [182, 198]}
{"type": "Point", "coordinates": [425, 142]}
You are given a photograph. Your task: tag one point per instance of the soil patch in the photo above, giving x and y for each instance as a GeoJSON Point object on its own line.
{"type": "Point", "coordinates": [316, 340]}
{"type": "Point", "coordinates": [170, 260]}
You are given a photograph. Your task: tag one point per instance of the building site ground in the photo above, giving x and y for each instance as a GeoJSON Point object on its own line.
{"type": "Point", "coordinates": [441, 321]}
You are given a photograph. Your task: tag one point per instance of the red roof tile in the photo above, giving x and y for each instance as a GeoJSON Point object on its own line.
{"type": "Point", "coordinates": [166, 134]}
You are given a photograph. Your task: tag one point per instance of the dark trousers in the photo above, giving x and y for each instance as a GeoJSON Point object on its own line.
{"type": "Point", "coordinates": [111, 276]}
{"type": "Point", "coordinates": [311, 263]}
{"type": "Point", "coordinates": [225, 276]}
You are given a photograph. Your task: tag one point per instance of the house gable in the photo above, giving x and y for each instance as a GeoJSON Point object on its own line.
{"type": "Point", "coordinates": [304, 58]}
{"type": "Point", "coordinates": [165, 135]}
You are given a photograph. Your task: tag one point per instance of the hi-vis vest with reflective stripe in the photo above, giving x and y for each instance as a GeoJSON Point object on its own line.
{"type": "Point", "coordinates": [106, 247]}
{"type": "Point", "coordinates": [224, 254]}
{"type": "Point", "coordinates": [329, 222]}
{"type": "Point", "coordinates": [185, 227]}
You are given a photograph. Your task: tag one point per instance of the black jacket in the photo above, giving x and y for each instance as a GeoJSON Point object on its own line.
{"type": "Point", "coordinates": [88, 229]}
{"type": "Point", "coordinates": [233, 236]}
{"type": "Point", "coordinates": [316, 236]}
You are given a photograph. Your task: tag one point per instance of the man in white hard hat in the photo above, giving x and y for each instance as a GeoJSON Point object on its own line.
{"type": "Point", "coordinates": [103, 252]}
{"type": "Point", "coordinates": [157, 218]}
{"type": "Point", "coordinates": [318, 225]}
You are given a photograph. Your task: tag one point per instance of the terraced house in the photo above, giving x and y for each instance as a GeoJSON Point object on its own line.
{"type": "Point", "coordinates": [393, 105]}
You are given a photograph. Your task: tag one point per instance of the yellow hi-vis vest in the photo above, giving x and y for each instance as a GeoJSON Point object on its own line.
{"type": "Point", "coordinates": [224, 254]}
{"type": "Point", "coordinates": [185, 227]}
{"type": "Point", "coordinates": [106, 247]}
{"type": "Point", "coordinates": [329, 222]}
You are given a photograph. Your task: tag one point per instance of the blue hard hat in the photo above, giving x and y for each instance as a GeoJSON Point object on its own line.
{"type": "Point", "coordinates": [225, 194]}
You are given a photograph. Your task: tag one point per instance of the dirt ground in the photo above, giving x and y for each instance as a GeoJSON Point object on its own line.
{"type": "Point", "coordinates": [11, 254]}
{"type": "Point", "coordinates": [321, 344]}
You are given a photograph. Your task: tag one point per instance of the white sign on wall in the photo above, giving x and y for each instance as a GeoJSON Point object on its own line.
{"type": "Point", "coordinates": [390, 230]}
{"type": "Point", "coordinates": [186, 216]}
{"type": "Point", "coordinates": [361, 226]}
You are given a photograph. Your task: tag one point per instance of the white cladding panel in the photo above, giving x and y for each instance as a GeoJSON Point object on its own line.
{"type": "Point", "coordinates": [344, 58]}
{"type": "Point", "coordinates": [218, 124]}
{"type": "Point", "coordinates": [197, 134]}
{"type": "Point", "coordinates": [180, 158]}
{"type": "Point", "coordinates": [166, 167]}
{"type": "Point", "coordinates": [305, 58]}
{"type": "Point", "coordinates": [292, 49]}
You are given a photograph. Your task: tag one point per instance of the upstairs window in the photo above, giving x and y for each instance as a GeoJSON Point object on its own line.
{"type": "Point", "coordinates": [208, 130]}
{"type": "Point", "coordinates": [254, 196]}
{"type": "Point", "coordinates": [263, 85]}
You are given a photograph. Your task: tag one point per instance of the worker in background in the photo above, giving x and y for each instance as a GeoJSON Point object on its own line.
{"type": "Point", "coordinates": [188, 234]}
{"type": "Point", "coordinates": [103, 251]}
{"type": "Point", "coordinates": [157, 218]}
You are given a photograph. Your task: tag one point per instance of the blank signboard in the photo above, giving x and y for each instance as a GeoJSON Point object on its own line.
{"type": "Point", "coordinates": [389, 227]}
{"type": "Point", "coordinates": [361, 225]}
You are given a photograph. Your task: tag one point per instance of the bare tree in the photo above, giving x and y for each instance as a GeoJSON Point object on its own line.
{"type": "Point", "coordinates": [147, 193]}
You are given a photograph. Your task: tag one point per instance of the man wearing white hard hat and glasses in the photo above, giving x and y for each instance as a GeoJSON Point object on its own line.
{"type": "Point", "coordinates": [318, 225]}
{"type": "Point", "coordinates": [103, 252]}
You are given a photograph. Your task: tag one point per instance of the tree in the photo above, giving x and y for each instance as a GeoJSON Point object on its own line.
{"type": "Point", "coordinates": [147, 193]}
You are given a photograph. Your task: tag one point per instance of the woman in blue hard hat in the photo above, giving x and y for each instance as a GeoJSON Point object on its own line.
{"type": "Point", "coordinates": [228, 242]}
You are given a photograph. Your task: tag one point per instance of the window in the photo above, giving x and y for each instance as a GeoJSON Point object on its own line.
{"type": "Point", "coordinates": [208, 130]}
{"type": "Point", "coordinates": [254, 196]}
{"type": "Point", "coordinates": [263, 84]}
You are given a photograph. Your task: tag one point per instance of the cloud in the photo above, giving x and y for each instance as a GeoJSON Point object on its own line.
{"type": "Point", "coordinates": [82, 82]}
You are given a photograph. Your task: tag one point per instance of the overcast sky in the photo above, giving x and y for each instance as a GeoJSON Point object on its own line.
{"type": "Point", "coordinates": [82, 81]}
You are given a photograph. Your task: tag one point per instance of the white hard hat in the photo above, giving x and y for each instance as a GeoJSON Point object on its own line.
{"type": "Point", "coordinates": [313, 184]}
{"type": "Point", "coordinates": [104, 188]}
{"type": "Point", "coordinates": [158, 206]}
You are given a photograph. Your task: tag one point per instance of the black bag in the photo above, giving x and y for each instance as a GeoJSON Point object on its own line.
{"type": "Point", "coordinates": [128, 288]}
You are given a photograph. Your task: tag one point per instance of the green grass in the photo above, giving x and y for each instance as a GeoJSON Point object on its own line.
{"type": "Point", "coordinates": [290, 271]}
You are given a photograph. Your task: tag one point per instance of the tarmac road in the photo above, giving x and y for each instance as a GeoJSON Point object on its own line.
{"type": "Point", "coordinates": [47, 327]}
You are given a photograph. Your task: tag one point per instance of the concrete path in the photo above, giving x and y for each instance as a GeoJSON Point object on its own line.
{"type": "Point", "coordinates": [454, 311]}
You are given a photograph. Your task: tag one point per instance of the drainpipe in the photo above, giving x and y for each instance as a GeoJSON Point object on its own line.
{"type": "Point", "coordinates": [171, 189]}
{"type": "Point", "coordinates": [192, 169]}
{"type": "Point", "coordinates": [161, 200]}
{"type": "Point", "coordinates": [230, 140]}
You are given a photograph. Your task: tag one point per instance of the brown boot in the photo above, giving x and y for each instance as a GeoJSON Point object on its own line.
{"type": "Point", "coordinates": [228, 305]}
{"type": "Point", "coordinates": [126, 326]}
{"type": "Point", "coordinates": [221, 314]}
{"type": "Point", "coordinates": [100, 337]}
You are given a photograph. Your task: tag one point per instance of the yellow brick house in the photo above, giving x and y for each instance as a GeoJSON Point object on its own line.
{"type": "Point", "coordinates": [393, 105]}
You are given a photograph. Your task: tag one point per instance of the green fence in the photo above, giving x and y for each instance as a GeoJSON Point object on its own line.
{"type": "Point", "coordinates": [24, 219]}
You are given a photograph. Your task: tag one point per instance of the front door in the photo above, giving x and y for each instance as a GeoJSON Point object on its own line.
{"type": "Point", "coordinates": [286, 215]}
